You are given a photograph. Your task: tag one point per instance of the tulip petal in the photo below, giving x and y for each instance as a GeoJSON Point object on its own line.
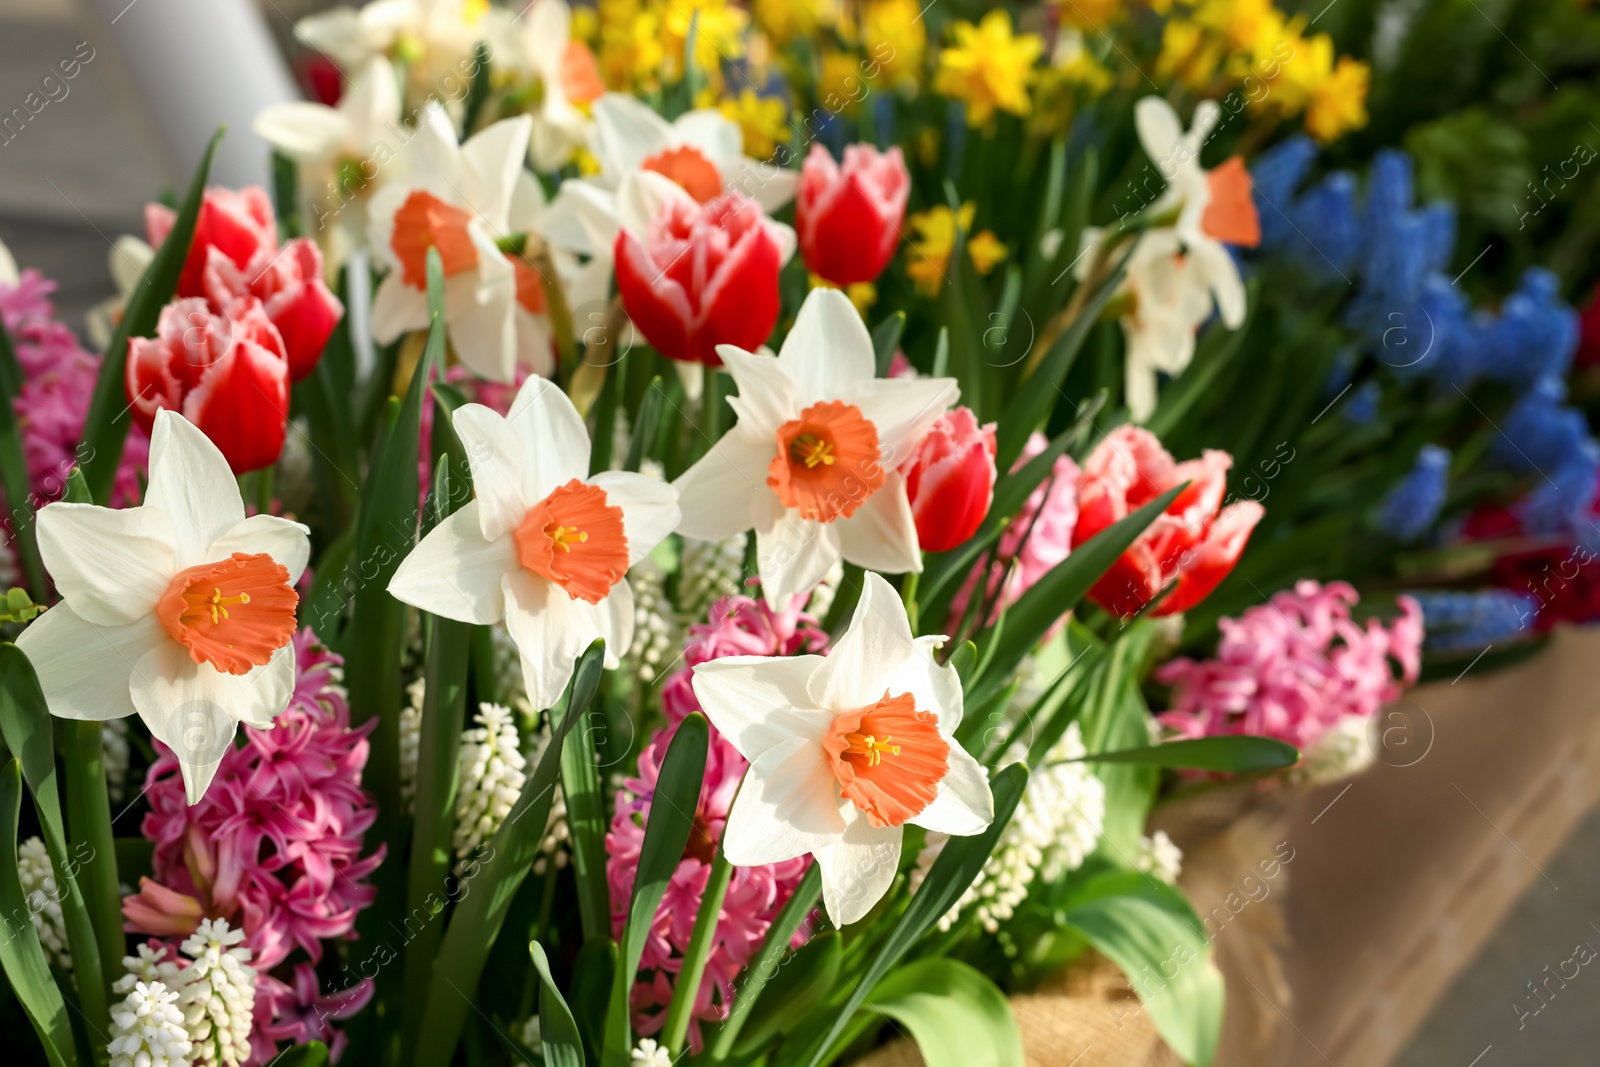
{"type": "Point", "coordinates": [191, 482]}
{"type": "Point", "coordinates": [551, 630]}
{"type": "Point", "coordinates": [875, 644]}
{"type": "Point", "coordinates": [793, 555]}
{"type": "Point", "coordinates": [717, 495]}
{"type": "Point", "coordinates": [760, 702]}
{"type": "Point", "coordinates": [828, 352]}
{"type": "Point", "coordinates": [882, 534]}
{"type": "Point", "coordinates": [194, 709]}
{"type": "Point", "coordinates": [964, 805]}
{"type": "Point", "coordinates": [858, 868]}
{"type": "Point", "coordinates": [522, 458]}
{"type": "Point", "coordinates": [286, 541]}
{"type": "Point", "coordinates": [84, 669]}
{"type": "Point", "coordinates": [112, 566]}
{"type": "Point", "coordinates": [649, 509]}
{"type": "Point", "coordinates": [789, 806]}
{"type": "Point", "coordinates": [767, 395]}
{"type": "Point", "coordinates": [455, 572]}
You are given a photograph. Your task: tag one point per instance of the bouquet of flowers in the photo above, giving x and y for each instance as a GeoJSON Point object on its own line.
{"type": "Point", "coordinates": [662, 534]}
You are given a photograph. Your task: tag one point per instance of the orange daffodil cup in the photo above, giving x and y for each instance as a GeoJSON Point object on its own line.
{"type": "Point", "coordinates": [844, 751]}
{"type": "Point", "coordinates": [811, 463]}
{"type": "Point", "coordinates": [181, 609]}
{"type": "Point", "coordinates": [543, 546]}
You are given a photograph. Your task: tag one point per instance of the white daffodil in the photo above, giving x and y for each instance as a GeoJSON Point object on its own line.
{"type": "Point", "coordinates": [844, 750]}
{"type": "Point", "coordinates": [181, 609]}
{"type": "Point", "coordinates": [811, 463]}
{"type": "Point", "coordinates": [537, 43]}
{"type": "Point", "coordinates": [543, 546]}
{"type": "Point", "coordinates": [702, 153]}
{"type": "Point", "coordinates": [1179, 272]}
{"type": "Point", "coordinates": [338, 151]}
{"type": "Point", "coordinates": [462, 200]}
{"type": "Point", "coordinates": [432, 41]}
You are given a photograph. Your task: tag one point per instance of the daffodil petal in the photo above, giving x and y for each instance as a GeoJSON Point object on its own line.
{"type": "Point", "coordinates": [876, 643]}
{"type": "Point", "coordinates": [793, 555]}
{"type": "Point", "coordinates": [760, 702]}
{"type": "Point", "coordinates": [882, 534]}
{"type": "Point", "coordinates": [84, 669]}
{"type": "Point", "coordinates": [455, 572]}
{"type": "Point", "coordinates": [551, 630]}
{"type": "Point", "coordinates": [192, 484]}
{"type": "Point", "coordinates": [858, 868]}
{"type": "Point", "coordinates": [717, 495]}
{"type": "Point", "coordinates": [964, 805]}
{"type": "Point", "coordinates": [828, 352]}
{"type": "Point", "coordinates": [111, 566]}
{"type": "Point", "coordinates": [787, 807]}
{"type": "Point", "coordinates": [286, 541]}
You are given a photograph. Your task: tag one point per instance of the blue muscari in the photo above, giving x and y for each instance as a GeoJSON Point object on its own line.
{"type": "Point", "coordinates": [1462, 622]}
{"type": "Point", "coordinates": [1361, 406]}
{"type": "Point", "coordinates": [1410, 508]}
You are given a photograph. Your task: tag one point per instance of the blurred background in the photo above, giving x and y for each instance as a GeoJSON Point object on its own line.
{"type": "Point", "coordinates": [155, 76]}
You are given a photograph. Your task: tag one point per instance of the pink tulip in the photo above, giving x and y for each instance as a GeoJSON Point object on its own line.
{"type": "Point", "coordinates": [848, 218]}
{"type": "Point", "coordinates": [705, 275]}
{"type": "Point", "coordinates": [950, 480]}
{"type": "Point", "coordinates": [237, 222]}
{"type": "Point", "coordinates": [288, 283]}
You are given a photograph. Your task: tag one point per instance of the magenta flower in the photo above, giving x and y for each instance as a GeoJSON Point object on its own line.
{"type": "Point", "coordinates": [300, 1013]}
{"type": "Point", "coordinates": [1039, 537]}
{"type": "Point", "coordinates": [58, 379]}
{"type": "Point", "coordinates": [738, 626]}
{"type": "Point", "coordinates": [1295, 667]}
{"type": "Point", "coordinates": [275, 844]}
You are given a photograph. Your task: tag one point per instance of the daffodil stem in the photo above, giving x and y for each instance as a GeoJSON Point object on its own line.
{"type": "Point", "coordinates": [89, 828]}
{"type": "Point", "coordinates": [694, 958]}
{"type": "Point", "coordinates": [765, 963]}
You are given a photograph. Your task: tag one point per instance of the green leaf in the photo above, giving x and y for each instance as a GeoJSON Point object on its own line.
{"type": "Point", "coordinates": [479, 90]}
{"type": "Point", "coordinates": [764, 965]}
{"type": "Point", "coordinates": [1163, 950]}
{"type": "Point", "coordinates": [592, 975]}
{"type": "Point", "coordinates": [14, 479]}
{"type": "Point", "coordinates": [21, 955]}
{"type": "Point", "coordinates": [686, 990]}
{"type": "Point", "coordinates": [311, 1054]}
{"type": "Point", "coordinates": [558, 1031]}
{"type": "Point", "coordinates": [800, 985]}
{"type": "Point", "coordinates": [666, 833]}
{"type": "Point", "coordinates": [586, 824]}
{"type": "Point", "coordinates": [886, 340]}
{"type": "Point", "coordinates": [89, 818]}
{"type": "Point", "coordinates": [957, 1017]}
{"type": "Point", "coordinates": [958, 864]}
{"type": "Point", "coordinates": [25, 724]}
{"type": "Point", "coordinates": [644, 428]}
{"type": "Point", "coordinates": [1058, 592]}
{"type": "Point", "coordinates": [105, 427]}
{"type": "Point", "coordinates": [1238, 754]}
{"type": "Point", "coordinates": [480, 912]}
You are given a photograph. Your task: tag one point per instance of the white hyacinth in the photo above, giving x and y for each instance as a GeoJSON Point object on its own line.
{"type": "Point", "coordinates": [649, 1054]}
{"type": "Point", "coordinates": [1345, 749]}
{"type": "Point", "coordinates": [411, 742]}
{"type": "Point", "coordinates": [1159, 857]}
{"type": "Point", "coordinates": [710, 570]}
{"type": "Point", "coordinates": [218, 994]}
{"type": "Point", "coordinates": [492, 768]}
{"type": "Point", "coordinates": [147, 1029]}
{"type": "Point", "coordinates": [1056, 826]}
{"type": "Point", "coordinates": [44, 900]}
{"type": "Point", "coordinates": [149, 965]}
{"type": "Point", "coordinates": [114, 749]}
{"type": "Point", "coordinates": [654, 631]}
{"type": "Point", "coordinates": [530, 1034]}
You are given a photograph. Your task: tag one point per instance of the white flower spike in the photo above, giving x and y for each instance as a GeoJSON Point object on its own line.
{"type": "Point", "coordinates": [181, 609]}
{"type": "Point", "coordinates": [811, 463]}
{"type": "Point", "coordinates": [844, 750]}
{"type": "Point", "coordinates": [543, 546]}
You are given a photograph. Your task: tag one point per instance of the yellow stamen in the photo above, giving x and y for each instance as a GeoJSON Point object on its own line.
{"type": "Point", "coordinates": [871, 747]}
{"type": "Point", "coordinates": [218, 601]}
{"type": "Point", "coordinates": [812, 451]}
{"type": "Point", "coordinates": [566, 536]}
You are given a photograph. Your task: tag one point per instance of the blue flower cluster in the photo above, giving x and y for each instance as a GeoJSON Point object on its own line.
{"type": "Point", "coordinates": [1464, 622]}
{"type": "Point", "coordinates": [1410, 316]}
{"type": "Point", "coordinates": [1411, 507]}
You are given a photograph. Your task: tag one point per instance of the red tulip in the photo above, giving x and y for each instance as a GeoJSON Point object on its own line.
{"type": "Point", "coordinates": [288, 283]}
{"type": "Point", "coordinates": [1191, 545]}
{"type": "Point", "coordinates": [950, 480]}
{"type": "Point", "coordinates": [705, 275]}
{"type": "Point", "coordinates": [848, 218]}
{"type": "Point", "coordinates": [235, 254]}
{"type": "Point", "coordinates": [227, 375]}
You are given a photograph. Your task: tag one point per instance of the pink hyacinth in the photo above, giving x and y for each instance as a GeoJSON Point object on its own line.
{"type": "Point", "coordinates": [274, 845]}
{"type": "Point", "coordinates": [738, 626]}
{"type": "Point", "coordinates": [58, 380]}
{"type": "Point", "coordinates": [1294, 667]}
{"type": "Point", "coordinates": [1038, 538]}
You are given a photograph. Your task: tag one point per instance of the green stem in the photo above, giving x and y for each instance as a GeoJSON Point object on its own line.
{"type": "Point", "coordinates": [765, 963]}
{"type": "Point", "coordinates": [89, 824]}
{"type": "Point", "coordinates": [694, 957]}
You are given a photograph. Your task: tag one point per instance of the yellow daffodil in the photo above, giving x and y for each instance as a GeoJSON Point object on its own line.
{"type": "Point", "coordinates": [895, 40]}
{"type": "Point", "coordinates": [1240, 23]}
{"type": "Point", "coordinates": [862, 294]}
{"type": "Point", "coordinates": [1091, 15]}
{"type": "Point", "coordinates": [929, 255]}
{"type": "Point", "coordinates": [1339, 103]}
{"type": "Point", "coordinates": [987, 251]}
{"type": "Point", "coordinates": [1189, 55]}
{"type": "Point", "coordinates": [988, 67]}
{"type": "Point", "coordinates": [719, 33]}
{"type": "Point", "coordinates": [631, 52]}
{"type": "Point", "coordinates": [785, 20]}
{"type": "Point", "coordinates": [763, 119]}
